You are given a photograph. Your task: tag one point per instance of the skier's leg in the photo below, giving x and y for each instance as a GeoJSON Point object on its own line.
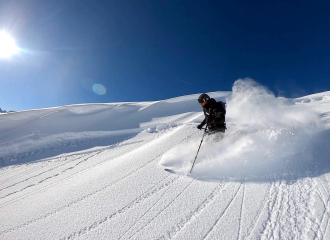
{"type": "Point", "coordinates": [217, 136]}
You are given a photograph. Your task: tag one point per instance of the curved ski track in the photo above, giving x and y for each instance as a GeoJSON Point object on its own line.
{"type": "Point", "coordinates": [123, 210]}
{"type": "Point", "coordinates": [194, 214]}
{"type": "Point", "coordinates": [145, 195]}
{"type": "Point", "coordinates": [222, 214]}
{"type": "Point", "coordinates": [125, 151]}
{"type": "Point", "coordinates": [285, 211]}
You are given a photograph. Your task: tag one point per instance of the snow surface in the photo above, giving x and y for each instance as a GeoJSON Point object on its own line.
{"type": "Point", "coordinates": [96, 171]}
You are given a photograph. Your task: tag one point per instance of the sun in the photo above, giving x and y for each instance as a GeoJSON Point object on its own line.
{"type": "Point", "coordinates": [8, 46]}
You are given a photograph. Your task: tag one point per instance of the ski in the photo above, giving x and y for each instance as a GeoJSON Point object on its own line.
{"type": "Point", "coordinates": [170, 170]}
{"type": "Point", "coordinates": [176, 173]}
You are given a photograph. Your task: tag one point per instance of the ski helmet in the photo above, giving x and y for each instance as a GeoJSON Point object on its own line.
{"type": "Point", "coordinates": [203, 98]}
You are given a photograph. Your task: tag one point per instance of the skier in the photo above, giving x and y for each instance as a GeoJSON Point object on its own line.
{"type": "Point", "coordinates": [215, 114]}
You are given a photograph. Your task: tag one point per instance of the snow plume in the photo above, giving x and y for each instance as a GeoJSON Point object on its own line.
{"type": "Point", "coordinates": [264, 133]}
{"type": "Point", "coordinates": [253, 104]}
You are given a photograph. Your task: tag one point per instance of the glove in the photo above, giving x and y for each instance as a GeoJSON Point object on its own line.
{"type": "Point", "coordinates": [199, 126]}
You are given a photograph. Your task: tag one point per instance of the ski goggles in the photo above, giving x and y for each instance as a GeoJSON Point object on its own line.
{"type": "Point", "coordinates": [201, 100]}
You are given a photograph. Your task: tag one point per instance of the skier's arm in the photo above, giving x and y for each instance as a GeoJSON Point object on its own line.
{"type": "Point", "coordinates": [203, 122]}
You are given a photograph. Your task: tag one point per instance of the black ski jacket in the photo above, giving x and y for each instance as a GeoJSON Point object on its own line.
{"type": "Point", "coordinates": [215, 114]}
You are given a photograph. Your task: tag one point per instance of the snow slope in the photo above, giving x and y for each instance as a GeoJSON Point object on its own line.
{"type": "Point", "coordinates": [95, 171]}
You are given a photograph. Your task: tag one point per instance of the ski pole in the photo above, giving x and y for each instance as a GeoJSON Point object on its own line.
{"type": "Point", "coordinates": [198, 150]}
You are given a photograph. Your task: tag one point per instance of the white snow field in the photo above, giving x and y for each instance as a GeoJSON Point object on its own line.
{"type": "Point", "coordinates": [96, 171]}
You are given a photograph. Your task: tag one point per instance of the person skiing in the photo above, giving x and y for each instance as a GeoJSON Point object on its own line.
{"type": "Point", "coordinates": [215, 114]}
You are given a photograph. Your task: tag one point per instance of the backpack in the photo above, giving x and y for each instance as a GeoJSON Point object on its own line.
{"type": "Point", "coordinates": [222, 106]}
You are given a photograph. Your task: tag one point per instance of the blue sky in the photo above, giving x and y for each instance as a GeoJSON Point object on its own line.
{"type": "Point", "coordinates": [153, 50]}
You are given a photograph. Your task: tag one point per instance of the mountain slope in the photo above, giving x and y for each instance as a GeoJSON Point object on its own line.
{"type": "Point", "coordinates": [96, 171]}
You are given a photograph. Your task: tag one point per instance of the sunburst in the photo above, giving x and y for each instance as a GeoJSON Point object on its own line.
{"type": "Point", "coordinates": [8, 46]}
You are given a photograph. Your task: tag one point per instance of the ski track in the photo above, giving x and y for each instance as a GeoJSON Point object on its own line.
{"type": "Point", "coordinates": [44, 163]}
{"type": "Point", "coordinates": [325, 214]}
{"type": "Point", "coordinates": [272, 207]}
{"type": "Point", "coordinates": [291, 211]}
{"type": "Point", "coordinates": [39, 174]}
{"type": "Point", "coordinates": [162, 210]}
{"type": "Point", "coordinates": [256, 220]}
{"type": "Point", "coordinates": [63, 158]}
{"type": "Point", "coordinates": [82, 198]}
{"type": "Point", "coordinates": [125, 151]}
{"type": "Point", "coordinates": [123, 210]}
{"type": "Point", "coordinates": [222, 213]}
{"type": "Point", "coordinates": [323, 182]}
{"type": "Point", "coordinates": [50, 161]}
{"type": "Point", "coordinates": [50, 177]}
{"type": "Point", "coordinates": [277, 207]}
{"type": "Point", "coordinates": [67, 206]}
{"type": "Point", "coordinates": [5, 171]}
{"type": "Point", "coordinates": [286, 211]}
{"type": "Point", "coordinates": [324, 179]}
{"type": "Point", "coordinates": [36, 166]}
{"type": "Point", "coordinates": [69, 177]}
{"type": "Point", "coordinates": [314, 182]}
{"type": "Point", "coordinates": [160, 198]}
{"type": "Point", "coordinates": [15, 172]}
{"type": "Point", "coordinates": [194, 214]}
{"type": "Point", "coordinates": [241, 212]}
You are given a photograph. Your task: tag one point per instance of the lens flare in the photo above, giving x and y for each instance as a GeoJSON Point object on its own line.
{"type": "Point", "coordinates": [99, 89]}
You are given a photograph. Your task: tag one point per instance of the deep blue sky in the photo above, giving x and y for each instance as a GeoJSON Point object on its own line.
{"type": "Point", "coordinates": [153, 50]}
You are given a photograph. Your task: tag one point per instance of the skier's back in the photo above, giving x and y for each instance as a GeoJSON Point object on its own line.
{"type": "Point", "coordinates": [215, 113]}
